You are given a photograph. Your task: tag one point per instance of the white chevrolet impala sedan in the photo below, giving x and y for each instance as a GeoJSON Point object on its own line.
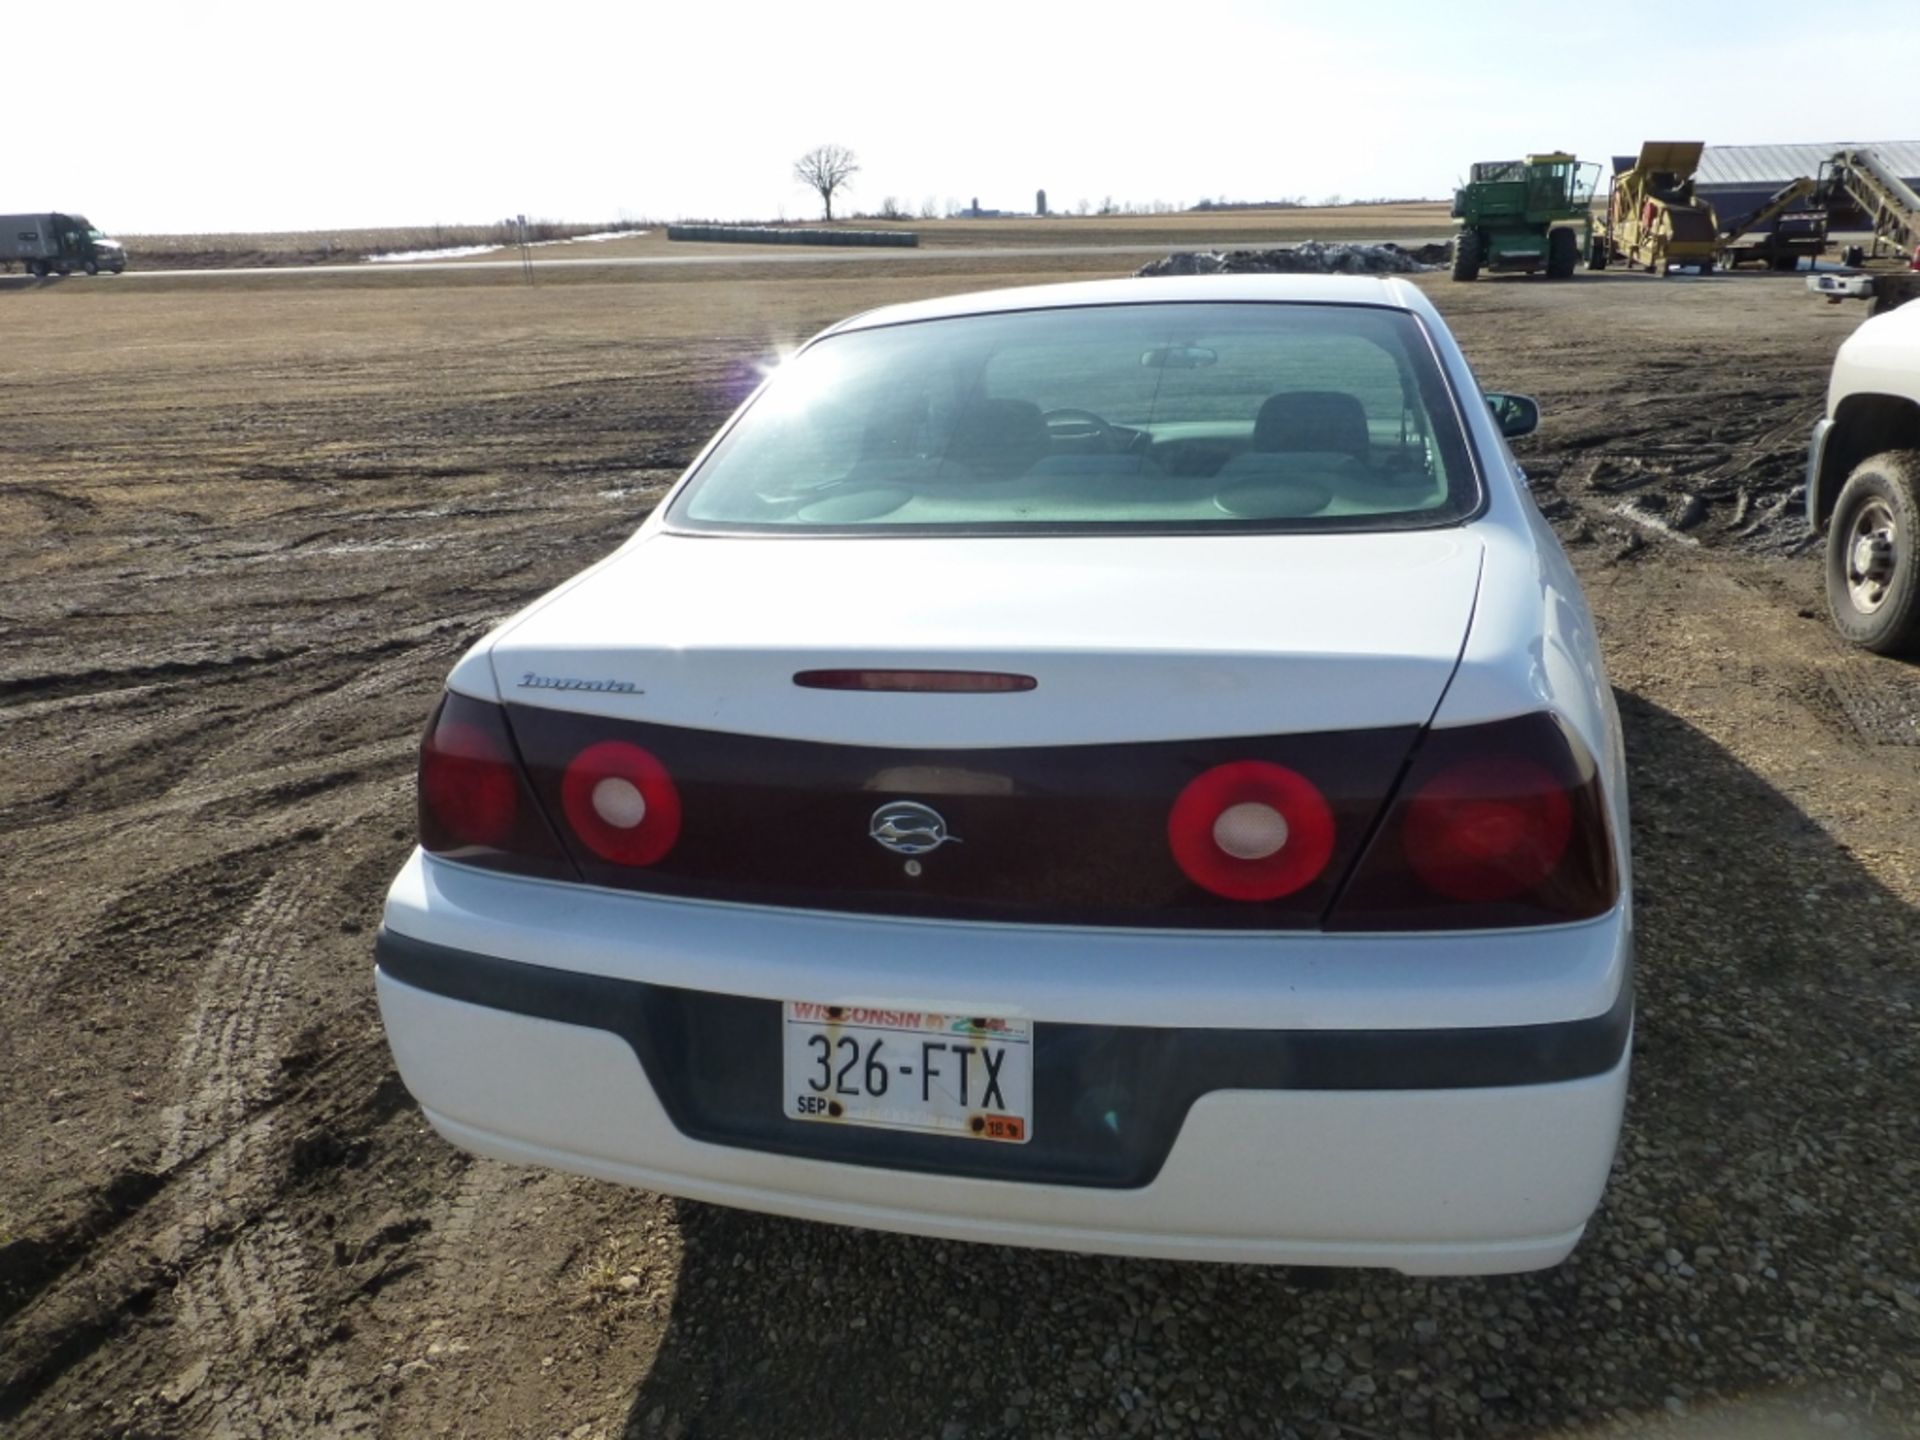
{"type": "Point", "coordinates": [1117, 767]}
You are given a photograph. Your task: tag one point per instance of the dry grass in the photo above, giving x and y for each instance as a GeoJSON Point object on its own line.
{"type": "Point", "coordinates": [320, 247]}
{"type": "Point", "coordinates": [1419, 220]}
{"type": "Point", "coordinates": [1414, 220]}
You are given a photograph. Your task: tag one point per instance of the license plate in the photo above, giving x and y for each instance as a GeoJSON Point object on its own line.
{"type": "Point", "coordinates": [969, 1076]}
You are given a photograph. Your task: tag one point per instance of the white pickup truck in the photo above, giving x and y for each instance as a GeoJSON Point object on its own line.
{"type": "Point", "coordinates": [1863, 484]}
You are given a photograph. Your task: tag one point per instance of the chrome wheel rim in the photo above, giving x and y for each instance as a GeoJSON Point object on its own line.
{"type": "Point", "coordinates": [1871, 545]}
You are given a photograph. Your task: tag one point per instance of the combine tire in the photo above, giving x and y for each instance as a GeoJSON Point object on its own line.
{"type": "Point", "coordinates": [1563, 254]}
{"type": "Point", "coordinates": [1466, 256]}
{"type": "Point", "coordinates": [1873, 554]}
{"type": "Point", "coordinates": [1597, 256]}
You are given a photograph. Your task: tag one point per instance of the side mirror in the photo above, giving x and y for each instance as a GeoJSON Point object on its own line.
{"type": "Point", "coordinates": [1516, 415]}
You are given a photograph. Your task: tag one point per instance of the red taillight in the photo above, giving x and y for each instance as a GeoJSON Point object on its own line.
{"type": "Point", "coordinates": [1495, 825]}
{"type": "Point", "coordinates": [621, 802]}
{"type": "Point", "coordinates": [1489, 828]}
{"type": "Point", "coordinates": [469, 790]}
{"type": "Point", "coordinates": [474, 802]}
{"type": "Point", "coordinates": [1250, 830]}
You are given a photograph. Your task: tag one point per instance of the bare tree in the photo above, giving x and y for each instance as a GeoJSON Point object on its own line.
{"type": "Point", "coordinates": [826, 169]}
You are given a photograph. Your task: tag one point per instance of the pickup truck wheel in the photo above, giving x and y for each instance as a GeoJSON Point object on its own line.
{"type": "Point", "coordinates": [93, 267]}
{"type": "Point", "coordinates": [1873, 554]}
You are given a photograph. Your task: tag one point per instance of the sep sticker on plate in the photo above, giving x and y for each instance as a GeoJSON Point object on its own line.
{"type": "Point", "coordinates": [969, 1076]}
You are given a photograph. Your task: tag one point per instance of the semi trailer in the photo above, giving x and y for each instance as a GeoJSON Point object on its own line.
{"type": "Point", "coordinates": [56, 244]}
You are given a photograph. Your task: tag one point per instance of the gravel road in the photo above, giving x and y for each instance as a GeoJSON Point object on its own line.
{"type": "Point", "coordinates": [244, 533]}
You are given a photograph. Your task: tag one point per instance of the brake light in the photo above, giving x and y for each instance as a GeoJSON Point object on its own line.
{"type": "Point", "coordinates": [918, 682]}
{"type": "Point", "coordinates": [621, 802]}
{"type": "Point", "coordinates": [474, 804]}
{"type": "Point", "coordinates": [1495, 825]}
{"type": "Point", "coordinates": [1488, 829]}
{"type": "Point", "coordinates": [469, 794]}
{"type": "Point", "coordinates": [1251, 830]}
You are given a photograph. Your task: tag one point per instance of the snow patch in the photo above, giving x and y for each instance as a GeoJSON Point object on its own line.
{"type": "Point", "coordinates": [452, 252]}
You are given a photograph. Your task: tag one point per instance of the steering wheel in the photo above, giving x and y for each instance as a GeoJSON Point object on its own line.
{"type": "Point", "coordinates": [1073, 425]}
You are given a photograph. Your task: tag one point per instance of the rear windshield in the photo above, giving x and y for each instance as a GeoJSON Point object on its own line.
{"type": "Point", "coordinates": [1162, 416]}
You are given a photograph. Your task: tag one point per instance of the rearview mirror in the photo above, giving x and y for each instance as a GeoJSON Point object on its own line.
{"type": "Point", "coordinates": [1516, 415]}
{"type": "Point", "coordinates": [1179, 357]}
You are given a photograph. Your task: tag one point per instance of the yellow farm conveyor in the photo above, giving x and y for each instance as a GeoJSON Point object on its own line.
{"type": "Point", "coordinates": [1654, 219]}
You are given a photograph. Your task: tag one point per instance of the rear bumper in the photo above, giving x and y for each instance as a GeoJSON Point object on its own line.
{"type": "Point", "coordinates": [1426, 1148]}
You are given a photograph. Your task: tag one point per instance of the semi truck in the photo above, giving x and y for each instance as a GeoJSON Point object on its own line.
{"type": "Point", "coordinates": [56, 244]}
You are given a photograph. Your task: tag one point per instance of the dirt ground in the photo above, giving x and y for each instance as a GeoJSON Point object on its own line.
{"type": "Point", "coordinates": [245, 531]}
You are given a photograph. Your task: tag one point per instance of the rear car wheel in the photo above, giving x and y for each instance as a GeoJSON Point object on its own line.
{"type": "Point", "coordinates": [1563, 254]}
{"type": "Point", "coordinates": [1873, 554]}
{"type": "Point", "coordinates": [1467, 255]}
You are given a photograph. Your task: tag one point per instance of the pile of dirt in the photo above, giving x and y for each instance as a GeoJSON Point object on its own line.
{"type": "Point", "coordinates": [1313, 258]}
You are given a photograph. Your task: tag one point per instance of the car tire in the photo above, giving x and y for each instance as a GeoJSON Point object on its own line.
{"type": "Point", "coordinates": [1873, 554]}
{"type": "Point", "coordinates": [1466, 255]}
{"type": "Point", "coordinates": [38, 269]}
{"type": "Point", "coordinates": [1563, 254]}
{"type": "Point", "coordinates": [93, 267]}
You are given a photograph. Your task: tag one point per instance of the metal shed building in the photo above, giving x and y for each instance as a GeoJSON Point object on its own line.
{"type": "Point", "coordinates": [1737, 179]}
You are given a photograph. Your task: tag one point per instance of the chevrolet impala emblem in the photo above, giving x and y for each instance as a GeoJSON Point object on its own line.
{"type": "Point", "coordinates": [907, 827]}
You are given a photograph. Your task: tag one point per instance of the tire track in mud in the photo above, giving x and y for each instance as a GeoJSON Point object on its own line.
{"type": "Point", "coordinates": [254, 1294]}
{"type": "Point", "coordinates": [211, 1236]}
{"type": "Point", "coordinates": [413, 657]}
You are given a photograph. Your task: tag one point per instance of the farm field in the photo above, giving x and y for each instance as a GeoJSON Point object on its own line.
{"type": "Point", "coordinates": [1417, 220]}
{"type": "Point", "coordinates": [245, 531]}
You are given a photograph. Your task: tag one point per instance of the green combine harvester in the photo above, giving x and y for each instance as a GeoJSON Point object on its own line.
{"type": "Point", "coordinates": [1529, 214]}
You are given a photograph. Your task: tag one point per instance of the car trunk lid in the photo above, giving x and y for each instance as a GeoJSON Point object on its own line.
{"type": "Point", "coordinates": [1128, 639]}
{"type": "Point", "coordinates": [1154, 663]}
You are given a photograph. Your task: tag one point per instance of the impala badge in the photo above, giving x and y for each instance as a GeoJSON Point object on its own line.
{"type": "Point", "coordinates": [907, 827]}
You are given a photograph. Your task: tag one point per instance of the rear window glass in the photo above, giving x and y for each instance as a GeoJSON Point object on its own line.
{"type": "Point", "coordinates": [1167, 416]}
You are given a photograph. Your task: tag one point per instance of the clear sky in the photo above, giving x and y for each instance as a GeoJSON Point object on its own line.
{"type": "Point", "coordinates": [222, 116]}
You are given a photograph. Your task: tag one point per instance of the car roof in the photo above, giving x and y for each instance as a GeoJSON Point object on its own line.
{"type": "Point", "coordinates": [1188, 289]}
